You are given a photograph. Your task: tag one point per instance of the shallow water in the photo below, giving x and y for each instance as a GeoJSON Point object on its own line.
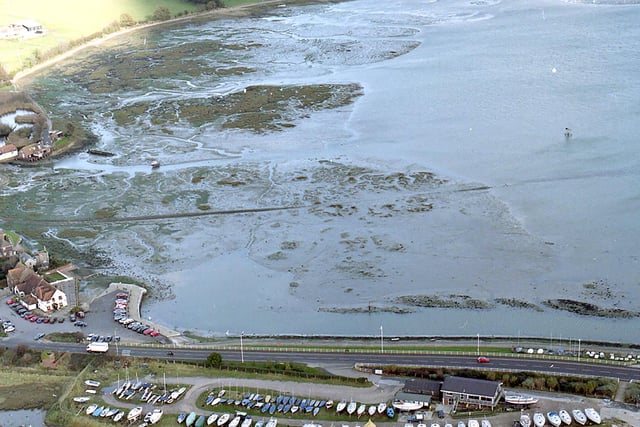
{"type": "Point", "coordinates": [24, 417]}
{"type": "Point", "coordinates": [477, 92]}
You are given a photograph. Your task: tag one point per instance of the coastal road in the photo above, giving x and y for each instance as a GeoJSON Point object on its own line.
{"type": "Point", "coordinates": [560, 367]}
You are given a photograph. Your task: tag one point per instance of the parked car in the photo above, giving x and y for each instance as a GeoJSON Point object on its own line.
{"type": "Point", "coordinates": [80, 314]}
{"type": "Point", "coordinates": [10, 301]}
{"type": "Point", "coordinates": [72, 317]}
{"type": "Point", "coordinates": [440, 413]}
{"type": "Point", "coordinates": [40, 335]}
{"type": "Point", "coordinates": [80, 323]}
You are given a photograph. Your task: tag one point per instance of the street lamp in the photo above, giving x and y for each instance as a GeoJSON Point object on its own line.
{"type": "Point", "coordinates": [478, 345]}
{"type": "Point", "coordinates": [241, 348]}
{"type": "Point", "coordinates": [381, 340]}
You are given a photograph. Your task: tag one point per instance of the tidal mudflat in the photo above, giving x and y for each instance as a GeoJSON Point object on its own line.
{"type": "Point", "coordinates": [347, 165]}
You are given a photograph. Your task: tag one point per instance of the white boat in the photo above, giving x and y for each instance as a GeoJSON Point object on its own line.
{"type": "Point", "coordinates": [118, 416]}
{"type": "Point", "coordinates": [382, 407]}
{"type": "Point", "coordinates": [341, 406]}
{"type": "Point", "coordinates": [134, 413]}
{"type": "Point", "coordinates": [91, 408]}
{"type": "Point", "coordinates": [593, 415]}
{"type": "Point", "coordinates": [351, 408]}
{"type": "Point", "coordinates": [579, 416]}
{"type": "Point", "coordinates": [448, 425]}
{"type": "Point", "coordinates": [329, 404]}
{"type": "Point", "coordinates": [405, 405]}
{"type": "Point", "coordinates": [90, 391]}
{"type": "Point", "coordinates": [222, 420]}
{"type": "Point", "coordinates": [372, 410]}
{"type": "Point", "coordinates": [216, 401]}
{"type": "Point", "coordinates": [246, 422]}
{"type": "Point", "coordinates": [235, 422]}
{"type": "Point", "coordinates": [212, 419]}
{"type": "Point", "coordinates": [461, 424]}
{"type": "Point", "coordinates": [361, 409]}
{"type": "Point", "coordinates": [81, 399]}
{"type": "Point", "coordinates": [520, 399]}
{"type": "Point", "coordinates": [473, 423]}
{"type": "Point", "coordinates": [432, 425]}
{"type": "Point", "coordinates": [221, 393]}
{"type": "Point", "coordinates": [92, 383]}
{"type": "Point", "coordinates": [273, 422]}
{"type": "Point", "coordinates": [565, 417]}
{"type": "Point", "coordinates": [486, 423]}
{"type": "Point", "coordinates": [155, 416]}
{"type": "Point", "coordinates": [525, 420]}
{"type": "Point", "coordinates": [538, 419]}
{"type": "Point", "coordinates": [554, 418]}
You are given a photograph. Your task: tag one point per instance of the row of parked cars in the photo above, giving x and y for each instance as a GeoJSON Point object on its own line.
{"type": "Point", "coordinates": [23, 312]}
{"type": "Point", "coordinates": [121, 315]}
{"type": "Point", "coordinates": [7, 326]}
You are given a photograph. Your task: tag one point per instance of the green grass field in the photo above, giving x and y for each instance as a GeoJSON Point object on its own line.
{"type": "Point", "coordinates": [68, 20]}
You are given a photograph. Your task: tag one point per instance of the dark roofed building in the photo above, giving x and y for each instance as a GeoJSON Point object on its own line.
{"type": "Point", "coordinates": [471, 392]}
{"type": "Point", "coordinates": [422, 387]}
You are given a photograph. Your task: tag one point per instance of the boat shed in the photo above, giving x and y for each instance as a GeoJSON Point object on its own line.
{"type": "Point", "coordinates": [422, 387]}
{"type": "Point", "coordinates": [471, 392]}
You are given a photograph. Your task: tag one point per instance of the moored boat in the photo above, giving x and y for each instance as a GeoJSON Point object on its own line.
{"type": "Point", "coordinates": [351, 408]}
{"type": "Point", "coordinates": [117, 417]}
{"type": "Point", "coordinates": [81, 399]}
{"type": "Point", "coordinates": [92, 383]}
{"type": "Point", "coordinates": [181, 417]}
{"type": "Point", "coordinates": [98, 411]}
{"type": "Point", "coordinates": [525, 420]}
{"type": "Point", "coordinates": [372, 410]}
{"type": "Point", "coordinates": [382, 407]}
{"type": "Point", "coordinates": [272, 422]}
{"type": "Point", "coordinates": [485, 423]}
{"type": "Point", "coordinates": [222, 419]}
{"type": "Point", "coordinates": [91, 408]}
{"type": "Point", "coordinates": [200, 421]}
{"type": "Point", "coordinates": [341, 406]}
{"type": "Point", "coordinates": [391, 412]}
{"type": "Point", "coordinates": [316, 410]}
{"type": "Point", "coordinates": [329, 404]}
{"type": "Point", "coordinates": [212, 419]}
{"type": "Point", "coordinates": [134, 413]}
{"type": "Point", "coordinates": [564, 416]}
{"type": "Point", "coordinates": [191, 418]}
{"type": "Point", "coordinates": [461, 424]}
{"type": "Point", "coordinates": [554, 418]}
{"type": "Point", "coordinates": [405, 405]}
{"type": "Point", "coordinates": [246, 422]}
{"type": "Point", "coordinates": [474, 423]}
{"type": "Point", "coordinates": [361, 409]}
{"type": "Point", "coordinates": [235, 422]}
{"type": "Point", "coordinates": [520, 399]}
{"type": "Point", "coordinates": [579, 416]}
{"type": "Point", "coordinates": [538, 419]}
{"type": "Point", "coordinates": [593, 415]}
{"type": "Point", "coordinates": [155, 416]}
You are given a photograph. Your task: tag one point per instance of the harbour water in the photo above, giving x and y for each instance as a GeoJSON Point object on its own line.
{"type": "Point", "coordinates": [477, 92]}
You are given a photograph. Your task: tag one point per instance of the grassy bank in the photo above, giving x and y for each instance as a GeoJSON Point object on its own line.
{"type": "Point", "coordinates": [68, 20]}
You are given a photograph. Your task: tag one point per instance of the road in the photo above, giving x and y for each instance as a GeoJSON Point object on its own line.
{"type": "Point", "coordinates": [623, 373]}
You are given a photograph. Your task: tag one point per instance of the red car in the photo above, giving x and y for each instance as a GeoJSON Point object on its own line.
{"type": "Point", "coordinates": [483, 359]}
{"type": "Point", "coordinates": [10, 301]}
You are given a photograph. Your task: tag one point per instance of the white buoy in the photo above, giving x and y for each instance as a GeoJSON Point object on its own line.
{"type": "Point", "coordinates": [553, 70]}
